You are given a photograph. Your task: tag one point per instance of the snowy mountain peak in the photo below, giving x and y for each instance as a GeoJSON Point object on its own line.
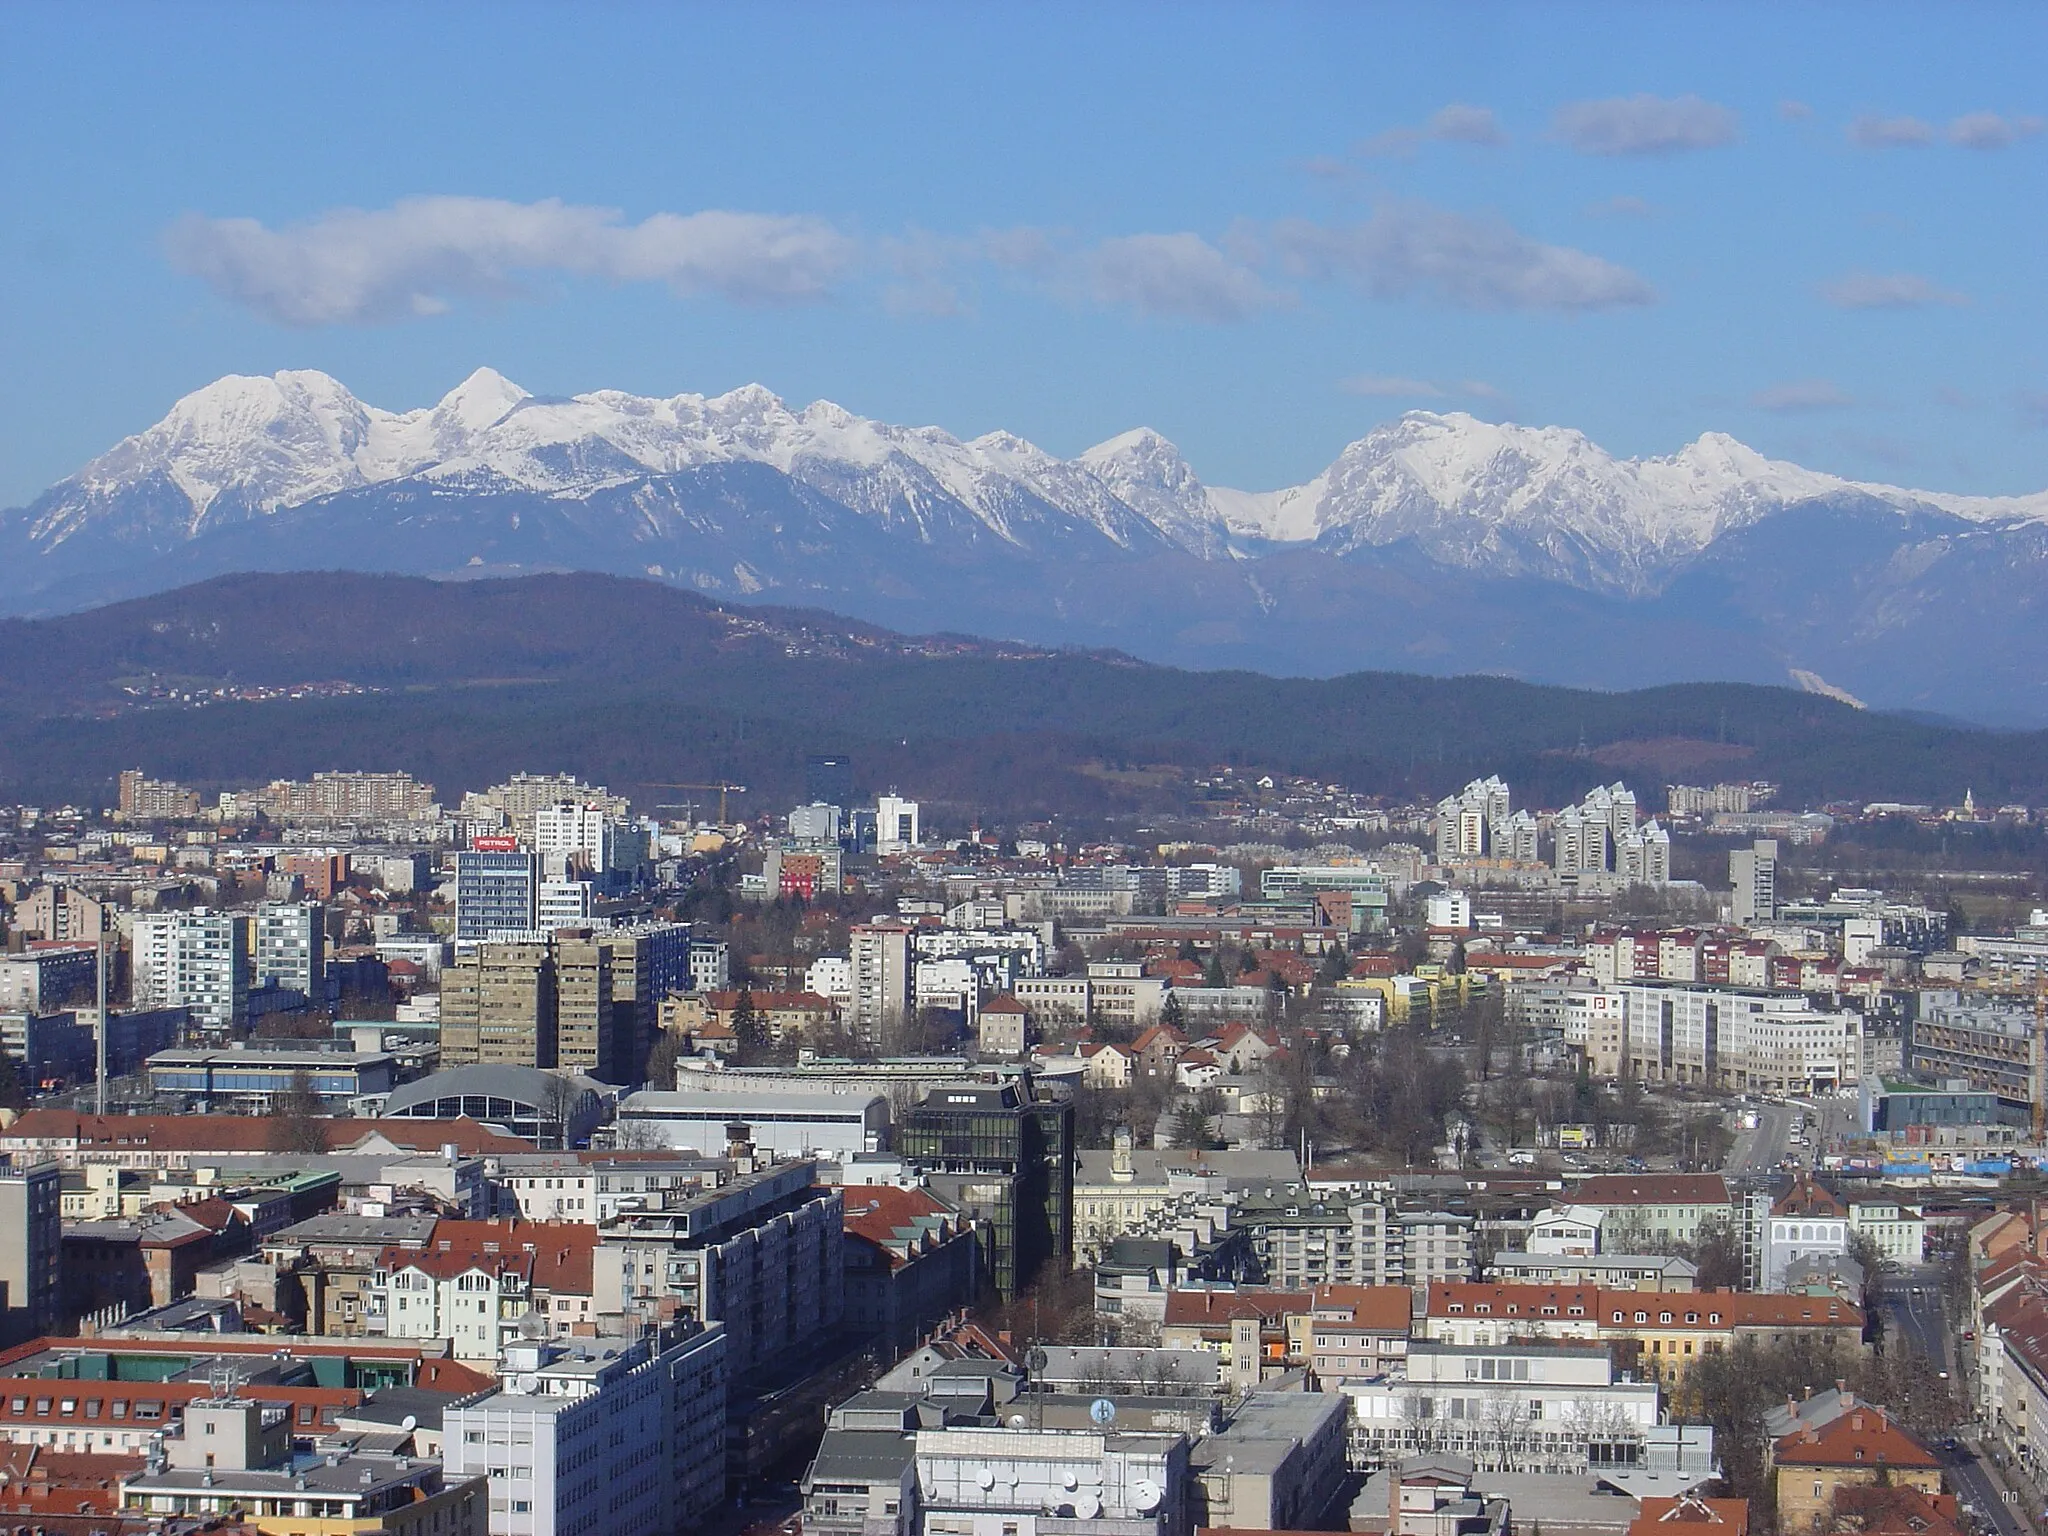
{"type": "Point", "coordinates": [1494, 497]}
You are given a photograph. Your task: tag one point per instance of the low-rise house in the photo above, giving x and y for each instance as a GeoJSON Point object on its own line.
{"type": "Point", "coordinates": [1861, 1447]}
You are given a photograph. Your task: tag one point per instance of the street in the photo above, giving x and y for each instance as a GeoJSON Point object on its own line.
{"type": "Point", "coordinates": [1757, 1153]}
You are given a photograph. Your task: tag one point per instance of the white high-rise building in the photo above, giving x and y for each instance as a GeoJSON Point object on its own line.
{"type": "Point", "coordinates": [291, 946]}
{"type": "Point", "coordinates": [896, 828]}
{"type": "Point", "coordinates": [1469, 824]}
{"type": "Point", "coordinates": [198, 960]}
{"type": "Point", "coordinates": [880, 962]}
{"type": "Point", "coordinates": [623, 1437]}
{"type": "Point", "coordinates": [574, 838]}
{"type": "Point", "coordinates": [815, 823]}
{"type": "Point", "coordinates": [1753, 871]}
{"type": "Point", "coordinates": [1644, 857]}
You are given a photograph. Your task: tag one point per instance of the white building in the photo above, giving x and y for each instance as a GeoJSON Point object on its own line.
{"type": "Point", "coordinates": [574, 838]}
{"type": "Point", "coordinates": [563, 904]}
{"type": "Point", "coordinates": [896, 828]}
{"type": "Point", "coordinates": [816, 823]}
{"type": "Point", "coordinates": [1006, 1481]}
{"type": "Point", "coordinates": [1452, 909]}
{"type": "Point", "coordinates": [598, 1437]}
{"type": "Point", "coordinates": [1897, 1232]}
{"type": "Point", "coordinates": [831, 1120]}
{"type": "Point", "coordinates": [291, 946]}
{"type": "Point", "coordinates": [198, 960]}
{"type": "Point", "coordinates": [1736, 1039]}
{"type": "Point", "coordinates": [831, 977]}
{"type": "Point", "coordinates": [954, 985]}
{"type": "Point", "coordinates": [710, 965]}
{"type": "Point", "coordinates": [1570, 1230]}
{"type": "Point", "coordinates": [1808, 1223]}
{"type": "Point", "coordinates": [1553, 1408]}
{"type": "Point", "coordinates": [880, 991]}
{"type": "Point", "coordinates": [1753, 872]}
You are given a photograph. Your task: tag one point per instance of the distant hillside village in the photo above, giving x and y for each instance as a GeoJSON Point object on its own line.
{"type": "Point", "coordinates": [556, 1163]}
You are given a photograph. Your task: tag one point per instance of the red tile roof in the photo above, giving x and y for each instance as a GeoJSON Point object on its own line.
{"type": "Point", "coordinates": [1387, 1308]}
{"type": "Point", "coordinates": [1723, 1517]}
{"type": "Point", "coordinates": [1864, 1436]}
{"type": "Point", "coordinates": [1204, 1309]}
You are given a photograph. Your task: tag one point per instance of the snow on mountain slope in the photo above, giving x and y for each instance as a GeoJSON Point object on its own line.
{"type": "Point", "coordinates": [1497, 498]}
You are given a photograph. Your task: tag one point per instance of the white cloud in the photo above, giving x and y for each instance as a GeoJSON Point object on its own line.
{"type": "Point", "coordinates": [1178, 275]}
{"type": "Point", "coordinates": [1887, 290]}
{"type": "Point", "coordinates": [1793, 111]}
{"type": "Point", "coordinates": [1409, 249]}
{"type": "Point", "coordinates": [1458, 123]}
{"type": "Point", "coordinates": [355, 266]}
{"type": "Point", "coordinates": [1645, 125]}
{"type": "Point", "coordinates": [1872, 132]}
{"type": "Point", "coordinates": [1801, 395]}
{"type": "Point", "coordinates": [1383, 386]}
{"type": "Point", "coordinates": [1988, 130]}
{"type": "Point", "coordinates": [1462, 124]}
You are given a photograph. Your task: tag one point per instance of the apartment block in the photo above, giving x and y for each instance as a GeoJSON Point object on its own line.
{"type": "Point", "coordinates": [498, 1004]}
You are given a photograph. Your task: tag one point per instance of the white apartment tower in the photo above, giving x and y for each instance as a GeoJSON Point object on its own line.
{"type": "Point", "coordinates": [291, 946]}
{"type": "Point", "coordinates": [1753, 871]}
{"type": "Point", "coordinates": [572, 837]}
{"type": "Point", "coordinates": [198, 960]}
{"type": "Point", "coordinates": [879, 959]}
{"type": "Point", "coordinates": [1474, 822]}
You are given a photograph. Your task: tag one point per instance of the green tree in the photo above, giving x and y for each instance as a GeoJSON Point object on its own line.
{"type": "Point", "coordinates": [1213, 976]}
{"type": "Point", "coordinates": [13, 1092]}
{"type": "Point", "coordinates": [746, 1028]}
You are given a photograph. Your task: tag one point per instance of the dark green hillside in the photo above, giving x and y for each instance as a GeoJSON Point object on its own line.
{"type": "Point", "coordinates": [636, 683]}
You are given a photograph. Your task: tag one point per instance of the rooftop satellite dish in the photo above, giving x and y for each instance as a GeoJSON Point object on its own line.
{"type": "Point", "coordinates": [1146, 1494]}
{"type": "Point", "coordinates": [987, 1478]}
{"type": "Point", "coordinates": [1102, 1411]}
{"type": "Point", "coordinates": [1087, 1506]}
{"type": "Point", "coordinates": [408, 1423]}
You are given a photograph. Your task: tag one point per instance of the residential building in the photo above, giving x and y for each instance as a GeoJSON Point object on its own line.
{"type": "Point", "coordinates": [1897, 1232]}
{"type": "Point", "coordinates": [563, 903]}
{"type": "Point", "coordinates": [1861, 1448]}
{"type": "Point", "coordinates": [497, 890]}
{"type": "Point", "coordinates": [1004, 1154]}
{"type": "Point", "coordinates": [199, 960]}
{"type": "Point", "coordinates": [1607, 1271]}
{"type": "Point", "coordinates": [1989, 1047]}
{"type": "Point", "coordinates": [1306, 1239]}
{"type": "Point", "coordinates": [910, 1260]}
{"type": "Point", "coordinates": [1277, 1465]}
{"type": "Point", "coordinates": [291, 947]}
{"type": "Point", "coordinates": [350, 797]}
{"type": "Point", "coordinates": [31, 1248]}
{"type": "Point", "coordinates": [590, 1435]}
{"type": "Point", "coordinates": [234, 1456]}
{"type": "Point", "coordinates": [879, 956]}
{"type": "Point", "coordinates": [1358, 1332]}
{"type": "Point", "coordinates": [147, 799]}
{"type": "Point", "coordinates": [1753, 872]}
{"type": "Point", "coordinates": [575, 840]}
{"type": "Point", "coordinates": [763, 1255]}
{"type": "Point", "coordinates": [59, 914]}
{"type": "Point", "coordinates": [1736, 1039]}
{"type": "Point", "coordinates": [45, 980]}
{"type": "Point", "coordinates": [1001, 1027]}
{"type": "Point", "coordinates": [1638, 1211]}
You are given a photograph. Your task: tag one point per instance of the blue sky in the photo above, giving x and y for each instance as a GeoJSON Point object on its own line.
{"type": "Point", "coordinates": [1258, 229]}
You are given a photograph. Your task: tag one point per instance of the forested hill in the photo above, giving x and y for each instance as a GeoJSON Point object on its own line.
{"type": "Point", "coordinates": [638, 685]}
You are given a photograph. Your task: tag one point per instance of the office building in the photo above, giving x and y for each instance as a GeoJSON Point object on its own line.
{"type": "Point", "coordinates": [1277, 1465]}
{"type": "Point", "coordinates": [710, 966]}
{"type": "Point", "coordinates": [291, 947]}
{"type": "Point", "coordinates": [200, 961]}
{"type": "Point", "coordinates": [44, 980]}
{"type": "Point", "coordinates": [1003, 1153]}
{"type": "Point", "coordinates": [599, 1437]}
{"type": "Point", "coordinates": [828, 1120]}
{"type": "Point", "coordinates": [1729, 1038]}
{"type": "Point", "coordinates": [817, 822]}
{"type": "Point", "coordinates": [828, 780]}
{"type": "Point", "coordinates": [563, 904]}
{"type": "Point", "coordinates": [31, 1242]}
{"type": "Point", "coordinates": [1991, 1048]}
{"type": "Point", "coordinates": [497, 890]}
{"type": "Point", "coordinates": [498, 1005]}
{"type": "Point", "coordinates": [575, 840]}
{"type": "Point", "coordinates": [608, 987]}
{"type": "Point", "coordinates": [896, 828]}
{"type": "Point", "coordinates": [1753, 872]}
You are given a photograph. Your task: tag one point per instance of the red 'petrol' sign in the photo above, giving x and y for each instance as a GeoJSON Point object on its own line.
{"type": "Point", "coordinates": [494, 844]}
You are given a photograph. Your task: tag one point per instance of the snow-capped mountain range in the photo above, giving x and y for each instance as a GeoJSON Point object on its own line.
{"type": "Point", "coordinates": [741, 495]}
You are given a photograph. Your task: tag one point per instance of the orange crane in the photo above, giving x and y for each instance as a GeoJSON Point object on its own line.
{"type": "Point", "coordinates": [723, 789]}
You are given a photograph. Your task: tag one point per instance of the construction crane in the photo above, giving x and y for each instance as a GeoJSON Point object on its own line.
{"type": "Point", "coordinates": [723, 789]}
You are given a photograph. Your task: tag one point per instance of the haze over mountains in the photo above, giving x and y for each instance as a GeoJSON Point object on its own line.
{"type": "Point", "coordinates": [1436, 543]}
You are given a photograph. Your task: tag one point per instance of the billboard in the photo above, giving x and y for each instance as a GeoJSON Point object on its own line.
{"type": "Point", "coordinates": [495, 843]}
